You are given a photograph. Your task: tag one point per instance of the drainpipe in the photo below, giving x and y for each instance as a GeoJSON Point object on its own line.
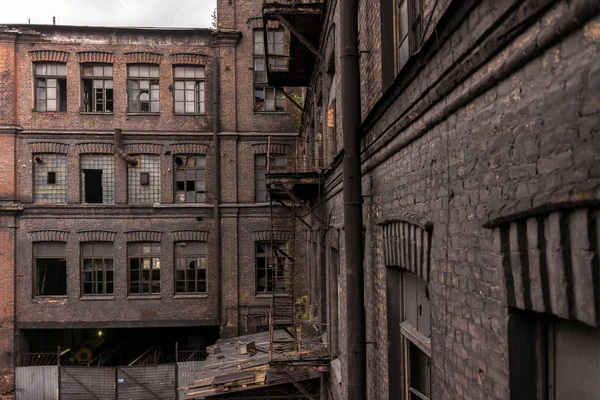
{"type": "Point", "coordinates": [355, 312]}
{"type": "Point", "coordinates": [120, 152]}
{"type": "Point", "coordinates": [217, 183]}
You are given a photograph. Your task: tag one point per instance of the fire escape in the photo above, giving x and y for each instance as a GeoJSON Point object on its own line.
{"type": "Point", "coordinates": [300, 187]}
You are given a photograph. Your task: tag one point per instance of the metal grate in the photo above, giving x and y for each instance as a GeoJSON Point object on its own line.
{"type": "Point", "coordinates": [104, 163]}
{"type": "Point", "coordinates": [50, 178]}
{"type": "Point", "coordinates": [141, 191]}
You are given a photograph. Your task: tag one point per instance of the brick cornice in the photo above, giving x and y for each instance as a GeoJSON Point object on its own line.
{"type": "Point", "coordinates": [97, 236]}
{"type": "Point", "coordinates": [280, 236]}
{"type": "Point", "coordinates": [142, 58]}
{"type": "Point", "coordinates": [96, 57]}
{"type": "Point", "coordinates": [95, 148]}
{"type": "Point", "coordinates": [49, 55]}
{"type": "Point", "coordinates": [183, 236]}
{"type": "Point", "coordinates": [228, 38]}
{"type": "Point", "coordinates": [189, 148]}
{"type": "Point", "coordinates": [143, 236]}
{"type": "Point", "coordinates": [48, 236]}
{"type": "Point", "coordinates": [143, 148]}
{"type": "Point", "coordinates": [49, 147]}
{"type": "Point", "coordinates": [276, 148]}
{"type": "Point", "coordinates": [188, 58]}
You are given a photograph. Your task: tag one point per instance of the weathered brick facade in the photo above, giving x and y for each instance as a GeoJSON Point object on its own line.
{"type": "Point", "coordinates": [493, 120]}
{"type": "Point", "coordinates": [24, 221]}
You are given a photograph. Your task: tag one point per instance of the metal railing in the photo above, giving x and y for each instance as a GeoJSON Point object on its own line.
{"type": "Point", "coordinates": [191, 355]}
{"type": "Point", "coordinates": [37, 359]}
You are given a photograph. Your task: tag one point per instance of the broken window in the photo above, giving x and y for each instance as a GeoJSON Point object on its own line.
{"type": "Point", "coordinates": [97, 88]}
{"type": "Point", "coordinates": [267, 98]}
{"type": "Point", "coordinates": [408, 30]}
{"type": "Point", "coordinates": [190, 262]}
{"type": "Point", "coordinates": [50, 86]}
{"type": "Point", "coordinates": [189, 89]}
{"type": "Point", "coordinates": [50, 268]}
{"type": "Point", "coordinates": [97, 178]}
{"type": "Point", "coordinates": [270, 267]}
{"type": "Point", "coordinates": [143, 94]}
{"type": "Point", "coordinates": [97, 264]}
{"type": "Point", "coordinates": [143, 180]}
{"type": "Point", "coordinates": [144, 268]}
{"type": "Point", "coordinates": [190, 178]}
{"type": "Point", "coordinates": [50, 178]}
{"type": "Point", "coordinates": [277, 163]}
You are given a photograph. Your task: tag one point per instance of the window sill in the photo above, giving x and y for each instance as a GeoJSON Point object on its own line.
{"type": "Point", "coordinates": [268, 295]}
{"type": "Point", "coordinates": [87, 297]}
{"type": "Point", "coordinates": [144, 297]}
{"type": "Point", "coordinates": [189, 114]}
{"type": "Point", "coordinates": [95, 113]}
{"type": "Point", "coordinates": [270, 112]}
{"type": "Point", "coordinates": [49, 112]}
{"type": "Point", "coordinates": [59, 299]}
{"type": "Point", "coordinates": [191, 296]}
{"type": "Point", "coordinates": [143, 114]}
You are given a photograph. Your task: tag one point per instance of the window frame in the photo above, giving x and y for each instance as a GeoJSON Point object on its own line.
{"type": "Point", "coordinates": [269, 93]}
{"type": "Point", "coordinates": [150, 164]}
{"type": "Point", "coordinates": [105, 79]}
{"type": "Point", "coordinates": [200, 259]}
{"type": "Point", "coordinates": [413, 19]}
{"type": "Point", "coordinates": [153, 257]}
{"type": "Point", "coordinates": [153, 89]}
{"type": "Point", "coordinates": [199, 90]}
{"type": "Point", "coordinates": [264, 169]}
{"type": "Point", "coordinates": [197, 169]}
{"type": "Point", "coordinates": [38, 193]}
{"type": "Point", "coordinates": [35, 274]}
{"type": "Point", "coordinates": [61, 91]}
{"type": "Point", "coordinates": [103, 258]}
{"type": "Point", "coordinates": [267, 255]}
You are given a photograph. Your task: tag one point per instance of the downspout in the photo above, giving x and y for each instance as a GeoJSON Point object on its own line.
{"type": "Point", "coordinates": [120, 152]}
{"type": "Point", "coordinates": [217, 183]}
{"type": "Point", "coordinates": [355, 312]}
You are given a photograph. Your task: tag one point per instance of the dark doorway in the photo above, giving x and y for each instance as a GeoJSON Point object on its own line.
{"type": "Point", "coordinates": [93, 185]}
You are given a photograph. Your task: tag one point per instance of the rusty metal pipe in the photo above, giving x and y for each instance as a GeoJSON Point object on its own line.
{"type": "Point", "coordinates": [120, 152]}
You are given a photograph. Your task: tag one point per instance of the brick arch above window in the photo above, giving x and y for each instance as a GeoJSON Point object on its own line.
{"type": "Point", "coordinates": [96, 57]}
{"type": "Point", "coordinates": [49, 236]}
{"type": "Point", "coordinates": [49, 55]}
{"type": "Point", "coordinates": [189, 148]}
{"type": "Point", "coordinates": [142, 58]}
{"type": "Point", "coordinates": [257, 23]}
{"type": "Point", "coordinates": [276, 148]}
{"type": "Point", "coordinates": [95, 148]}
{"type": "Point", "coordinates": [266, 235]}
{"type": "Point", "coordinates": [49, 147]}
{"type": "Point", "coordinates": [188, 58]}
{"type": "Point", "coordinates": [548, 260]}
{"type": "Point", "coordinates": [407, 244]}
{"type": "Point", "coordinates": [143, 236]}
{"type": "Point", "coordinates": [143, 148]}
{"type": "Point", "coordinates": [97, 236]}
{"type": "Point", "coordinates": [184, 236]}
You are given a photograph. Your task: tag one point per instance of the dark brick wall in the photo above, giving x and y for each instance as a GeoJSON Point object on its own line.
{"type": "Point", "coordinates": [516, 130]}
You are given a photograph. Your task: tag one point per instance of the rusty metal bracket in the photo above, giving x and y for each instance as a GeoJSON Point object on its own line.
{"type": "Point", "coordinates": [299, 36]}
{"type": "Point", "coordinates": [303, 206]}
{"type": "Point", "coordinates": [298, 386]}
{"type": "Point", "coordinates": [309, 226]}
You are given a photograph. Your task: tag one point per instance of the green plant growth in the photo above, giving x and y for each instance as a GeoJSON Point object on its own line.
{"type": "Point", "coordinates": [215, 26]}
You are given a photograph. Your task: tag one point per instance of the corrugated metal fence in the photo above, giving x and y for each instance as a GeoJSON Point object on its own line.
{"type": "Point", "coordinates": [110, 383]}
{"type": "Point", "coordinates": [37, 383]}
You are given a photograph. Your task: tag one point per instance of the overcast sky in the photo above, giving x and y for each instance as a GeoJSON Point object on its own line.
{"type": "Point", "coordinates": [171, 13]}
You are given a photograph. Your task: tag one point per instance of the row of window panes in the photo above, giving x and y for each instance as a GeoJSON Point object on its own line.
{"type": "Point", "coordinates": [144, 180]}
{"type": "Point", "coordinates": [98, 177]}
{"type": "Point", "coordinates": [97, 93]}
{"type": "Point", "coordinates": [267, 98]}
{"type": "Point", "coordinates": [98, 268]}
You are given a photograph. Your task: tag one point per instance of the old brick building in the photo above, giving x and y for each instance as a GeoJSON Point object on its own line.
{"type": "Point", "coordinates": [479, 156]}
{"type": "Point", "coordinates": [132, 186]}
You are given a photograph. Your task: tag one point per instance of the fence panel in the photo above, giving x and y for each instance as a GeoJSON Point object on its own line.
{"type": "Point", "coordinates": [186, 374]}
{"type": "Point", "coordinates": [87, 383]}
{"type": "Point", "coordinates": [36, 383]}
{"type": "Point", "coordinates": [147, 382]}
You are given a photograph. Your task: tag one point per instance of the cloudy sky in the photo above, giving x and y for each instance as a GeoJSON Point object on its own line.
{"type": "Point", "coordinates": [172, 13]}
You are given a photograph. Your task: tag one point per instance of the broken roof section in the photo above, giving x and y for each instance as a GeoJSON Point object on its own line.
{"type": "Point", "coordinates": [294, 369]}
